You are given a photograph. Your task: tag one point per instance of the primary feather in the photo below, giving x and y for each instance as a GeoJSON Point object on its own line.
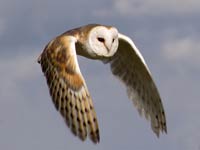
{"type": "Point", "coordinates": [68, 89]}
{"type": "Point", "coordinates": [129, 66]}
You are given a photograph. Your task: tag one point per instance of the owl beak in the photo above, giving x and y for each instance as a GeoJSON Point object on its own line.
{"type": "Point", "coordinates": [107, 48]}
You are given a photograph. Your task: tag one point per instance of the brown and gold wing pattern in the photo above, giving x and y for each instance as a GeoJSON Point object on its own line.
{"type": "Point", "coordinates": [68, 88]}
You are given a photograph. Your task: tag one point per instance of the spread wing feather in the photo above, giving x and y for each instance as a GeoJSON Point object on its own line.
{"type": "Point", "coordinates": [129, 66]}
{"type": "Point", "coordinates": [67, 87]}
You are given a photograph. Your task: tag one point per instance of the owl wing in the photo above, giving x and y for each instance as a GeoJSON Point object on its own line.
{"type": "Point", "coordinates": [129, 66]}
{"type": "Point", "coordinates": [68, 88]}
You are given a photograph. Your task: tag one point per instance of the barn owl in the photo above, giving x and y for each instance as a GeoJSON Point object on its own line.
{"type": "Point", "coordinates": [68, 88]}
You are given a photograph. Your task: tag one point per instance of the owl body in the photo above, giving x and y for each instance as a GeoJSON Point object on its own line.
{"type": "Point", "coordinates": [68, 88]}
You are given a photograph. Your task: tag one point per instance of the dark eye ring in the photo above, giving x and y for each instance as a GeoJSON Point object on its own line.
{"type": "Point", "coordinates": [100, 39]}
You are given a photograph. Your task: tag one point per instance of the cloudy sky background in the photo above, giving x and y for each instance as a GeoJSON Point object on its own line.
{"type": "Point", "coordinates": [167, 34]}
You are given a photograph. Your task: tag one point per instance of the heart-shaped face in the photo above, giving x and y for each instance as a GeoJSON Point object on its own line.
{"type": "Point", "coordinates": [102, 41]}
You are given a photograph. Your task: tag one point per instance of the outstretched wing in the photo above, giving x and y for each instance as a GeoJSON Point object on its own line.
{"type": "Point", "coordinates": [68, 88]}
{"type": "Point", "coordinates": [129, 66]}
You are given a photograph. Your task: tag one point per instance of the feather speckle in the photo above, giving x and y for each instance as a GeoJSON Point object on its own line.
{"type": "Point", "coordinates": [68, 92]}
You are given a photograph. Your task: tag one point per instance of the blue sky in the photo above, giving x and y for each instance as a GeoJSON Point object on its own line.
{"type": "Point", "coordinates": [167, 34]}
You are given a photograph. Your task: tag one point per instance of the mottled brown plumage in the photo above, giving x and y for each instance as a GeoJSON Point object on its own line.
{"type": "Point", "coordinates": [68, 88]}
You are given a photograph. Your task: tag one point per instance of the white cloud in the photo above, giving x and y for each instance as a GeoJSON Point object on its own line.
{"type": "Point", "coordinates": [150, 7]}
{"type": "Point", "coordinates": [185, 50]}
{"type": "Point", "coordinates": [14, 70]}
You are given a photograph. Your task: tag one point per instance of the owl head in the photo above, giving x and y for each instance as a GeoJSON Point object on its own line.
{"type": "Point", "coordinates": [102, 41]}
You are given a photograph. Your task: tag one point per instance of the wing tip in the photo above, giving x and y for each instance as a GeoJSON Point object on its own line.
{"type": "Point", "coordinates": [95, 137]}
{"type": "Point", "coordinates": [94, 140]}
{"type": "Point", "coordinates": [158, 129]}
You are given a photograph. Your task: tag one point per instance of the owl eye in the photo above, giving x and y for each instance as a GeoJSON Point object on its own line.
{"type": "Point", "coordinates": [100, 39]}
{"type": "Point", "coordinates": [113, 40]}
